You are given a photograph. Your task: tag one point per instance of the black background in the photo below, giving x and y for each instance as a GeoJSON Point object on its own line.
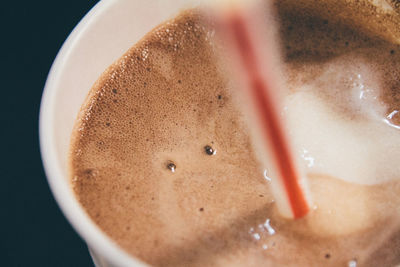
{"type": "Point", "coordinates": [34, 232]}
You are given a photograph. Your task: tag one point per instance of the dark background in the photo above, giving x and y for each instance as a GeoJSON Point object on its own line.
{"type": "Point", "coordinates": [34, 232]}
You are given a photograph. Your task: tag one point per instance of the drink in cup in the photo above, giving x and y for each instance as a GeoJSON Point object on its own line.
{"type": "Point", "coordinates": [162, 161]}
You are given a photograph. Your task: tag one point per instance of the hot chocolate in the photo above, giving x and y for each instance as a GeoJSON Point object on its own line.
{"type": "Point", "coordinates": [161, 159]}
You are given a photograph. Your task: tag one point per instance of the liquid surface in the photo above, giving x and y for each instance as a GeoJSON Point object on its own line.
{"type": "Point", "coordinates": [162, 161]}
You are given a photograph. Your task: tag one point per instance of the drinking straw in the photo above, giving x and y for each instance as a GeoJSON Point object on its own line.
{"type": "Point", "coordinates": [252, 46]}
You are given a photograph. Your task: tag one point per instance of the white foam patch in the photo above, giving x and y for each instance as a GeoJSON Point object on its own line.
{"type": "Point", "coordinates": [352, 85]}
{"type": "Point", "coordinates": [383, 5]}
{"type": "Point", "coordinates": [362, 149]}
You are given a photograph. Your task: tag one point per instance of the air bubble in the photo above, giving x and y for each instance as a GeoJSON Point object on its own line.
{"type": "Point", "coordinates": [266, 176]}
{"type": "Point", "coordinates": [209, 150]}
{"type": "Point", "coordinates": [256, 236]}
{"type": "Point", "coordinates": [392, 118]}
{"type": "Point", "coordinates": [309, 159]}
{"type": "Point", "coordinates": [89, 173]}
{"type": "Point", "coordinates": [352, 263]}
{"type": "Point", "coordinates": [171, 166]}
{"type": "Point", "coordinates": [269, 228]}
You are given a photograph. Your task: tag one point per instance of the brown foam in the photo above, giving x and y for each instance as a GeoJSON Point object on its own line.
{"type": "Point", "coordinates": [377, 18]}
{"type": "Point", "coordinates": [163, 102]}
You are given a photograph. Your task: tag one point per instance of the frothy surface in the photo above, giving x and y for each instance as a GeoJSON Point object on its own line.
{"type": "Point", "coordinates": [166, 99]}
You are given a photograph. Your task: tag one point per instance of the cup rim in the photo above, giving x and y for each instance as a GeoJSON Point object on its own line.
{"type": "Point", "coordinates": [94, 237]}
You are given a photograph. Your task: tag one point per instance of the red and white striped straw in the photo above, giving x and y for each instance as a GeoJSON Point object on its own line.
{"type": "Point", "coordinates": [252, 46]}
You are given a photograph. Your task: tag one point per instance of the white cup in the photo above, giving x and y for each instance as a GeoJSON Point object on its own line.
{"type": "Point", "coordinates": [102, 36]}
